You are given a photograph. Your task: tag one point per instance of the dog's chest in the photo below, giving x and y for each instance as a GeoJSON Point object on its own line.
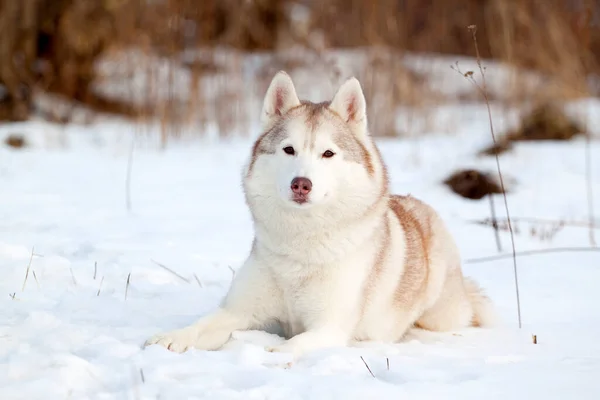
{"type": "Point", "coordinates": [304, 293]}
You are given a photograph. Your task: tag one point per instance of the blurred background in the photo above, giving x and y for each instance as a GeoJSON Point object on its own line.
{"type": "Point", "coordinates": [201, 67]}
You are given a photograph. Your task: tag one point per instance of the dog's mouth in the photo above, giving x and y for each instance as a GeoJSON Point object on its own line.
{"type": "Point", "coordinates": [299, 199]}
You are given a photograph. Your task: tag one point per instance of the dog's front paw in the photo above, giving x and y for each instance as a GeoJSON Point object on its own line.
{"type": "Point", "coordinates": [285, 347]}
{"type": "Point", "coordinates": [178, 341]}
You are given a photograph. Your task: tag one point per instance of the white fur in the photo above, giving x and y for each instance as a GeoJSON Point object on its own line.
{"type": "Point", "coordinates": [310, 263]}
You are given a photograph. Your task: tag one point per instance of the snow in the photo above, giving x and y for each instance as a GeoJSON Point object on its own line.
{"type": "Point", "coordinates": [74, 328]}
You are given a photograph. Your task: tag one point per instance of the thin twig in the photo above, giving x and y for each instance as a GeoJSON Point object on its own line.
{"type": "Point", "coordinates": [127, 285]}
{"type": "Point", "coordinates": [367, 365]}
{"type": "Point", "coordinates": [171, 271]}
{"type": "Point", "coordinates": [100, 287]}
{"type": "Point", "coordinates": [95, 269]}
{"type": "Point", "coordinates": [495, 223]}
{"type": "Point", "coordinates": [142, 375]}
{"type": "Point", "coordinates": [27, 271]}
{"type": "Point", "coordinates": [387, 363]}
{"type": "Point", "coordinates": [35, 277]}
{"type": "Point", "coordinates": [590, 191]}
{"type": "Point", "coordinates": [73, 277]}
{"type": "Point", "coordinates": [483, 90]}
{"type": "Point", "coordinates": [533, 252]}
{"type": "Point", "coordinates": [585, 39]}
{"type": "Point", "coordinates": [198, 280]}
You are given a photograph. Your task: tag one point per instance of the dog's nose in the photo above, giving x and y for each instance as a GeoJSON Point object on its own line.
{"type": "Point", "coordinates": [301, 185]}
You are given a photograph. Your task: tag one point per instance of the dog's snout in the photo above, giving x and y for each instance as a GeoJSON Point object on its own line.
{"type": "Point", "coordinates": [301, 186]}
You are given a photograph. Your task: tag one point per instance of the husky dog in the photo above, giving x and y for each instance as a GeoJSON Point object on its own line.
{"type": "Point", "coordinates": [336, 258]}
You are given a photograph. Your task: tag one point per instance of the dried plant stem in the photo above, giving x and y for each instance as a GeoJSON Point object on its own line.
{"type": "Point", "coordinates": [127, 285]}
{"type": "Point", "coordinates": [36, 279]}
{"type": "Point", "coordinates": [495, 223]}
{"type": "Point", "coordinates": [367, 365]}
{"type": "Point", "coordinates": [100, 287]}
{"type": "Point", "coordinates": [27, 271]}
{"type": "Point", "coordinates": [585, 25]}
{"type": "Point", "coordinates": [533, 252]}
{"type": "Point", "coordinates": [73, 277]}
{"type": "Point", "coordinates": [95, 269]}
{"type": "Point", "coordinates": [484, 92]}
{"type": "Point", "coordinates": [590, 191]}
{"type": "Point", "coordinates": [171, 271]}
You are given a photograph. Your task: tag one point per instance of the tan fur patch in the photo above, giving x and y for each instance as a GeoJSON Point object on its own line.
{"type": "Point", "coordinates": [379, 262]}
{"type": "Point", "coordinates": [314, 113]}
{"type": "Point", "coordinates": [265, 144]}
{"type": "Point", "coordinates": [354, 150]}
{"type": "Point", "coordinates": [416, 258]}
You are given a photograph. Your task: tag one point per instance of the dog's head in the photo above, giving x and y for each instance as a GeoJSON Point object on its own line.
{"type": "Point", "coordinates": [314, 156]}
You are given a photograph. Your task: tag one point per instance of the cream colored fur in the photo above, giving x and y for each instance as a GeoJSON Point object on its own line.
{"type": "Point", "coordinates": [353, 262]}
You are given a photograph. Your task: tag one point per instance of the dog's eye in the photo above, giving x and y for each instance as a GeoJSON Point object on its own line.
{"type": "Point", "coordinates": [289, 150]}
{"type": "Point", "coordinates": [328, 154]}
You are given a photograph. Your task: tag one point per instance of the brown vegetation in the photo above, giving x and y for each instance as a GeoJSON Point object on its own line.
{"type": "Point", "coordinates": [544, 122]}
{"type": "Point", "coordinates": [53, 46]}
{"type": "Point", "coordinates": [472, 184]}
{"type": "Point", "coordinates": [15, 141]}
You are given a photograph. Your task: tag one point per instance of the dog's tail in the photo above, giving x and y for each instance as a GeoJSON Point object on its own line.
{"type": "Point", "coordinates": [484, 313]}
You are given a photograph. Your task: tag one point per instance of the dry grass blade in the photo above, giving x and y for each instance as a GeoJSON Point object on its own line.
{"type": "Point", "coordinates": [95, 269]}
{"type": "Point", "coordinates": [27, 271]}
{"type": "Point", "coordinates": [127, 285]}
{"type": "Point", "coordinates": [35, 278]}
{"type": "Point", "coordinates": [367, 365]}
{"type": "Point", "coordinates": [198, 280]}
{"type": "Point", "coordinates": [100, 287]}
{"type": "Point", "coordinates": [171, 271]}
{"type": "Point", "coordinates": [73, 277]}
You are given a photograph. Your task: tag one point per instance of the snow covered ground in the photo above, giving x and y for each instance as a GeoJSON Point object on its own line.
{"type": "Point", "coordinates": [73, 329]}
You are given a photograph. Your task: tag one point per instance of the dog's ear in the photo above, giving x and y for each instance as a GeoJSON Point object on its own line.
{"type": "Point", "coordinates": [349, 102]}
{"type": "Point", "coordinates": [281, 97]}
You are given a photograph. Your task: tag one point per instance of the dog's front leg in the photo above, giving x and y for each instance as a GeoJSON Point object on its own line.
{"type": "Point", "coordinates": [208, 333]}
{"type": "Point", "coordinates": [329, 319]}
{"type": "Point", "coordinates": [250, 303]}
